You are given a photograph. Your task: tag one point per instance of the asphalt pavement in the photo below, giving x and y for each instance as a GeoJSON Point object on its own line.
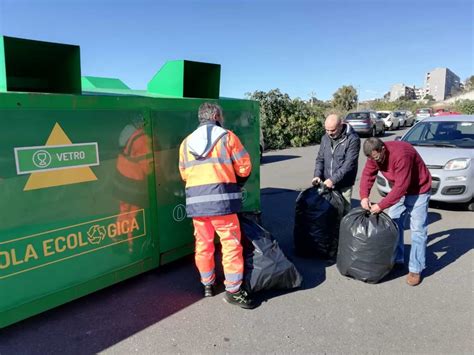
{"type": "Point", "coordinates": [162, 311]}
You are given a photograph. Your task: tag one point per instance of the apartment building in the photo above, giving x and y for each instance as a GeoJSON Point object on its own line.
{"type": "Point", "coordinates": [398, 91]}
{"type": "Point", "coordinates": [441, 83]}
{"type": "Point", "coordinates": [419, 93]}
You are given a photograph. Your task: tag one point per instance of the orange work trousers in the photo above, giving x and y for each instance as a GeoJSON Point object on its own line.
{"type": "Point", "coordinates": [228, 229]}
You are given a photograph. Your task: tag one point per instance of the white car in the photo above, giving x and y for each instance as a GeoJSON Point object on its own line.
{"type": "Point", "coordinates": [390, 121]}
{"type": "Point", "coordinates": [446, 145]}
{"type": "Point", "coordinates": [401, 118]}
{"type": "Point", "coordinates": [409, 118]}
{"type": "Point", "coordinates": [423, 113]}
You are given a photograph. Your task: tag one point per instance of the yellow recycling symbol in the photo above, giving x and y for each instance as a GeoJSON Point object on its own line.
{"type": "Point", "coordinates": [43, 179]}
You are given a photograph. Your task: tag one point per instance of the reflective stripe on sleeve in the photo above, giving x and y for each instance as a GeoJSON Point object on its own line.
{"type": "Point", "coordinates": [214, 198]}
{"type": "Point", "coordinates": [239, 155]}
{"type": "Point", "coordinates": [219, 160]}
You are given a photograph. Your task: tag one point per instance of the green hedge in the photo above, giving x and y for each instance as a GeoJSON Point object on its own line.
{"type": "Point", "coordinates": [289, 122]}
{"type": "Point", "coordinates": [464, 106]}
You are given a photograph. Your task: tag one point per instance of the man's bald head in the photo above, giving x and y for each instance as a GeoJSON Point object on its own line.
{"type": "Point", "coordinates": [333, 125]}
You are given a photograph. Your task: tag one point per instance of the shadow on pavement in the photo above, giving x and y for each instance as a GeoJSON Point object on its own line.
{"type": "Point", "coordinates": [446, 247]}
{"type": "Point", "coordinates": [102, 319]}
{"type": "Point", "coordinates": [388, 134]}
{"type": "Point", "coordinates": [443, 249]}
{"type": "Point", "coordinates": [268, 159]}
{"type": "Point", "coordinates": [449, 206]}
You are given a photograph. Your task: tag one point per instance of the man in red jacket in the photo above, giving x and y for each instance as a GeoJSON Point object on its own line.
{"type": "Point", "coordinates": [410, 180]}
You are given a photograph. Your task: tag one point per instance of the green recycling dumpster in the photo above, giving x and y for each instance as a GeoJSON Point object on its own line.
{"type": "Point", "coordinates": [90, 189]}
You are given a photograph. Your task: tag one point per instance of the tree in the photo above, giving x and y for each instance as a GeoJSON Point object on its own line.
{"type": "Point", "coordinates": [345, 98]}
{"type": "Point", "coordinates": [465, 106]}
{"type": "Point", "coordinates": [286, 122]}
{"type": "Point", "coordinates": [429, 97]}
{"type": "Point", "coordinates": [274, 107]}
{"type": "Point", "coordinates": [469, 83]}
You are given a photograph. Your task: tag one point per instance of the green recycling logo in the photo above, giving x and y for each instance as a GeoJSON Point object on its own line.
{"type": "Point", "coordinates": [96, 234]}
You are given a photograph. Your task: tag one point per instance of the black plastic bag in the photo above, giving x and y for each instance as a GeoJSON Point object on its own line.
{"type": "Point", "coordinates": [318, 214]}
{"type": "Point", "coordinates": [367, 245]}
{"type": "Point", "coordinates": [265, 265]}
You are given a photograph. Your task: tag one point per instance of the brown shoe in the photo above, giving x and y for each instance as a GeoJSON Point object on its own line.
{"type": "Point", "coordinates": [413, 278]}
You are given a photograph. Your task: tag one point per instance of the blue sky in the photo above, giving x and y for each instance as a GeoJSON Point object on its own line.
{"type": "Point", "coordinates": [300, 47]}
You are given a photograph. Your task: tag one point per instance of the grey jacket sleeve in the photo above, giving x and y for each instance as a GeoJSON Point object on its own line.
{"type": "Point", "coordinates": [350, 160]}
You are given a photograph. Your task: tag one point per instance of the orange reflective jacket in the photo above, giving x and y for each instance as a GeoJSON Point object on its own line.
{"type": "Point", "coordinates": [134, 164]}
{"type": "Point", "coordinates": [212, 161]}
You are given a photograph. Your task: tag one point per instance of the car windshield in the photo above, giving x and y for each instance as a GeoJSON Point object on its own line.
{"type": "Point", "coordinates": [458, 134]}
{"type": "Point", "coordinates": [383, 114]}
{"type": "Point", "coordinates": [423, 110]}
{"type": "Point", "coordinates": [357, 116]}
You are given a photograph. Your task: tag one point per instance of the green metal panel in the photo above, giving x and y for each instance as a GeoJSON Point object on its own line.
{"type": "Point", "coordinates": [185, 78]}
{"type": "Point", "coordinates": [94, 82]}
{"type": "Point", "coordinates": [56, 67]}
{"type": "Point", "coordinates": [89, 184]}
{"type": "Point", "coordinates": [168, 80]}
{"type": "Point", "coordinates": [61, 237]}
{"type": "Point", "coordinates": [3, 69]}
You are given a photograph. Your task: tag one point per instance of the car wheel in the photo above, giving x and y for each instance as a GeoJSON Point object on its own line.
{"type": "Point", "coordinates": [470, 206]}
{"type": "Point", "coordinates": [382, 132]}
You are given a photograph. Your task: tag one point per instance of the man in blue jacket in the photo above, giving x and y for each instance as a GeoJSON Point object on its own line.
{"type": "Point", "coordinates": [337, 160]}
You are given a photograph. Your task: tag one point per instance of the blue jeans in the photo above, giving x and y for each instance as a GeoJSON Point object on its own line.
{"type": "Point", "coordinates": [417, 207]}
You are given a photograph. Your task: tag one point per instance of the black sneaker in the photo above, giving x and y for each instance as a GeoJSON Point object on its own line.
{"type": "Point", "coordinates": [208, 290]}
{"type": "Point", "coordinates": [240, 298]}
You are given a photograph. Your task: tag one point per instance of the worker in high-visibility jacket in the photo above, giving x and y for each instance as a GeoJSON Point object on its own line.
{"type": "Point", "coordinates": [134, 165]}
{"type": "Point", "coordinates": [214, 164]}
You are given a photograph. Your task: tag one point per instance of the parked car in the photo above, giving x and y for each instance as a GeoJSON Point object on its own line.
{"type": "Point", "coordinates": [366, 122]}
{"type": "Point", "coordinates": [390, 121]}
{"type": "Point", "coordinates": [423, 113]}
{"type": "Point", "coordinates": [444, 112]}
{"type": "Point", "coordinates": [447, 148]}
{"type": "Point", "coordinates": [401, 118]}
{"type": "Point", "coordinates": [409, 118]}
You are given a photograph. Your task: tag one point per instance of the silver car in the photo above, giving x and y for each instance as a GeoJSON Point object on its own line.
{"type": "Point", "coordinates": [409, 118]}
{"type": "Point", "coordinates": [446, 145]}
{"type": "Point", "coordinates": [390, 121]}
{"type": "Point", "coordinates": [401, 118]}
{"type": "Point", "coordinates": [366, 122]}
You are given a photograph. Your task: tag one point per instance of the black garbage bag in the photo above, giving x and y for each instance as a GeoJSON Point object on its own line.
{"type": "Point", "coordinates": [367, 244]}
{"type": "Point", "coordinates": [318, 214]}
{"type": "Point", "coordinates": [265, 265]}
